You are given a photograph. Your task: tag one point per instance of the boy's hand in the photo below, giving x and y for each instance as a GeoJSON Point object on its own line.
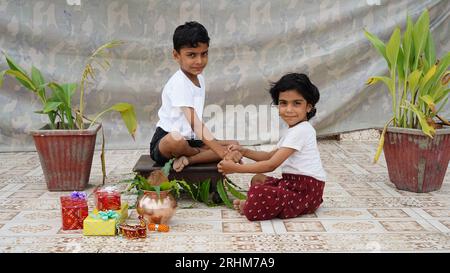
{"type": "Point", "coordinates": [226, 166]}
{"type": "Point", "coordinates": [234, 156]}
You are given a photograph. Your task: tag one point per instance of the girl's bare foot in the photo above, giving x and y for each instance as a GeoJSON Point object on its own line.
{"type": "Point", "coordinates": [239, 205]}
{"type": "Point", "coordinates": [180, 163]}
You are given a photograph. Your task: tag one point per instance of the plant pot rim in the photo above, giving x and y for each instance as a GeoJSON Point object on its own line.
{"type": "Point", "coordinates": [46, 131]}
{"type": "Point", "coordinates": [442, 131]}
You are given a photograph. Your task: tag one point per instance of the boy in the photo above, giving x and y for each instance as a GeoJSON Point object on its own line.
{"type": "Point", "coordinates": [180, 132]}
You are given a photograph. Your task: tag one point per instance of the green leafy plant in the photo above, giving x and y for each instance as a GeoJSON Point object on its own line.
{"type": "Point", "coordinates": [199, 192]}
{"type": "Point", "coordinates": [417, 81]}
{"type": "Point", "coordinates": [57, 101]}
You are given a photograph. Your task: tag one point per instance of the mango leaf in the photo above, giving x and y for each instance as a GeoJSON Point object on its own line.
{"type": "Point", "coordinates": [223, 195]}
{"type": "Point", "coordinates": [204, 190]}
{"type": "Point", "coordinates": [187, 188]}
{"type": "Point", "coordinates": [235, 192]}
{"type": "Point", "coordinates": [167, 167]}
{"type": "Point", "coordinates": [126, 110]}
{"type": "Point", "coordinates": [378, 44]}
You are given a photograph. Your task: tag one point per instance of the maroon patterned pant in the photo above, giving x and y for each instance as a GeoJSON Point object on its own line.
{"type": "Point", "coordinates": [286, 197]}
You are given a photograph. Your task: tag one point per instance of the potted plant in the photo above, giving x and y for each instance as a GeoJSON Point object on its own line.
{"type": "Point", "coordinates": [66, 144]}
{"type": "Point", "coordinates": [416, 140]}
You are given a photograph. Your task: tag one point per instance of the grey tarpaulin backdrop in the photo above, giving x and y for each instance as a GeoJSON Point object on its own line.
{"type": "Point", "coordinates": [252, 43]}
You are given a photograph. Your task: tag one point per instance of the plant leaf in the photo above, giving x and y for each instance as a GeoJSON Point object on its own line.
{"type": "Point", "coordinates": [22, 78]}
{"type": "Point", "coordinates": [381, 142]}
{"type": "Point", "coordinates": [430, 102]}
{"type": "Point", "coordinates": [426, 128]}
{"type": "Point", "coordinates": [51, 106]}
{"type": "Point", "coordinates": [167, 167]}
{"type": "Point", "coordinates": [126, 110]}
{"type": "Point", "coordinates": [235, 192]}
{"type": "Point", "coordinates": [392, 48]}
{"type": "Point", "coordinates": [223, 195]}
{"type": "Point", "coordinates": [204, 190]}
{"type": "Point", "coordinates": [420, 34]}
{"type": "Point", "coordinates": [378, 44]}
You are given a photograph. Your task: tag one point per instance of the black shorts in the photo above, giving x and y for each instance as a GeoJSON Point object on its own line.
{"type": "Point", "coordinates": [156, 155]}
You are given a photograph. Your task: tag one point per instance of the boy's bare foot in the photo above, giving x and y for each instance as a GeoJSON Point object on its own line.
{"type": "Point", "coordinates": [180, 163]}
{"type": "Point", "coordinates": [239, 205]}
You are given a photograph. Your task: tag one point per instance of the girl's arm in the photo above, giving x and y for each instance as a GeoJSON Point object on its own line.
{"type": "Point", "coordinates": [265, 166]}
{"type": "Point", "coordinates": [257, 155]}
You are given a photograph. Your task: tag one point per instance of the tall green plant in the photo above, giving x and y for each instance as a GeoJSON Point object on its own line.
{"type": "Point", "coordinates": [417, 82]}
{"type": "Point", "coordinates": [58, 104]}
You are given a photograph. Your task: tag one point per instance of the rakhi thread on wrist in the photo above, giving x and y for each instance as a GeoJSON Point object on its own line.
{"type": "Point", "coordinates": [158, 227]}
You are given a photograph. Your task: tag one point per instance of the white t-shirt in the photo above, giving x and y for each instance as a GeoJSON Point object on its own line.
{"type": "Point", "coordinates": [180, 91]}
{"type": "Point", "coordinates": [306, 159]}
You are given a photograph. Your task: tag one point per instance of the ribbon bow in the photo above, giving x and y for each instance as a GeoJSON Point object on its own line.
{"type": "Point", "coordinates": [110, 214]}
{"type": "Point", "coordinates": [78, 195]}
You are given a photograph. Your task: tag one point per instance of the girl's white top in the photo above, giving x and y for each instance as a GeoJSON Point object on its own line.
{"type": "Point", "coordinates": [306, 159]}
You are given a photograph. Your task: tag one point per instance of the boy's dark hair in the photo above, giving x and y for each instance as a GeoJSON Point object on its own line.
{"type": "Point", "coordinates": [189, 35]}
{"type": "Point", "coordinates": [300, 83]}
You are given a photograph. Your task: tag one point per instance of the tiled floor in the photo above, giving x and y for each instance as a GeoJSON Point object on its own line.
{"type": "Point", "coordinates": [362, 212]}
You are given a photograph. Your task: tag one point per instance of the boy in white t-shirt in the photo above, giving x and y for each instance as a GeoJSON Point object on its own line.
{"type": "Point", "coordinates": [180, 132]}
{"type": "Point", "coordinates": [300, 189]}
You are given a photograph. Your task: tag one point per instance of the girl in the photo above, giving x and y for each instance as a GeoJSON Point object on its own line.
{"type": "Point", "coordinates": [300, 189]}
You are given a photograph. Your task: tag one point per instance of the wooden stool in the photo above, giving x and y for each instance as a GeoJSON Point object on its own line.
{"type": "Point", "coordinates": [192, 173]}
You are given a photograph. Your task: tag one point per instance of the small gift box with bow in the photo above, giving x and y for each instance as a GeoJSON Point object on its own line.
{"type": "Point", "coordinates": [107, 198]}
{"type": "Point", "coordinates": [74, 209]}
{"type": "Point", "coordinates": [123, 212]}
{"type": "Point", "coordinates": [103, 223]}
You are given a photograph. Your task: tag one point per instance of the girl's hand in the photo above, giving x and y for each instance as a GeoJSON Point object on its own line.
{"type": "Point", "coordinates": [234, 156]}
{"type": "Point", "coordinates": [236, 147]}
{"type": "Point", "coordinates": [226, 166]}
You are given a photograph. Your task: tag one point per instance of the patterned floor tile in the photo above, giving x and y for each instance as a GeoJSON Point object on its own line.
{"type": "Point", "coordinates": [29, 229]}
{"type": "Point", "coordinates": [388, 213]}
{"type": "Point", "coordinates": [332, 213]}
{"type": "Point", "coordinates": [362, 212]}
{"type": "Point", "coordinates": [352, 226]}
{"type": "Point", "coordinates": [406, 226]}
{"type": "Point", "coordinates": [303, 226]}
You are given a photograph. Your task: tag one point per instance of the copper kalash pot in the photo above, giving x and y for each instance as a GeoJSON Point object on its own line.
{"type": "Point", "coordinates": [156, 209]}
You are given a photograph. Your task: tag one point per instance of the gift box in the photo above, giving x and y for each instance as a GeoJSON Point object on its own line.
{"type": "Point", "coordinates": [104, 223]}
{"type": "Point", "coordinates": [107, 198]}
{"type": "Point", "coordinates": [74, 209]}
{"type": "Point", "coordinates": [123, 212]}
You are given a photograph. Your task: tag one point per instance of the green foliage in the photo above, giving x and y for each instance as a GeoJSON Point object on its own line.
{"type": "Point", "coordinates": [416, 80]}
{"type": "Point", "coordinates": [56, 98]}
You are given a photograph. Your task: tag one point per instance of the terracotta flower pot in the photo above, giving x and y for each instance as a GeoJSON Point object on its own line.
{"type": "Point", "coordinates": [66, 156]}
{"type": "Point", "coordinates": [415, 161]}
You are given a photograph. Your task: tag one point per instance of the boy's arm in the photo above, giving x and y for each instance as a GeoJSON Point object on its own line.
{"type": "Point", "coordinates": [202, 131]}
{"type": "Point", "coordinates": [265, 166]}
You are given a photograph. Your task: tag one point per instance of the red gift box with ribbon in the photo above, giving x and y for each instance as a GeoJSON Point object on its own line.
{"type": "Point", "coordinates": [74, 209]}
{"type": "Point", "coordinates": [107, 198]}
